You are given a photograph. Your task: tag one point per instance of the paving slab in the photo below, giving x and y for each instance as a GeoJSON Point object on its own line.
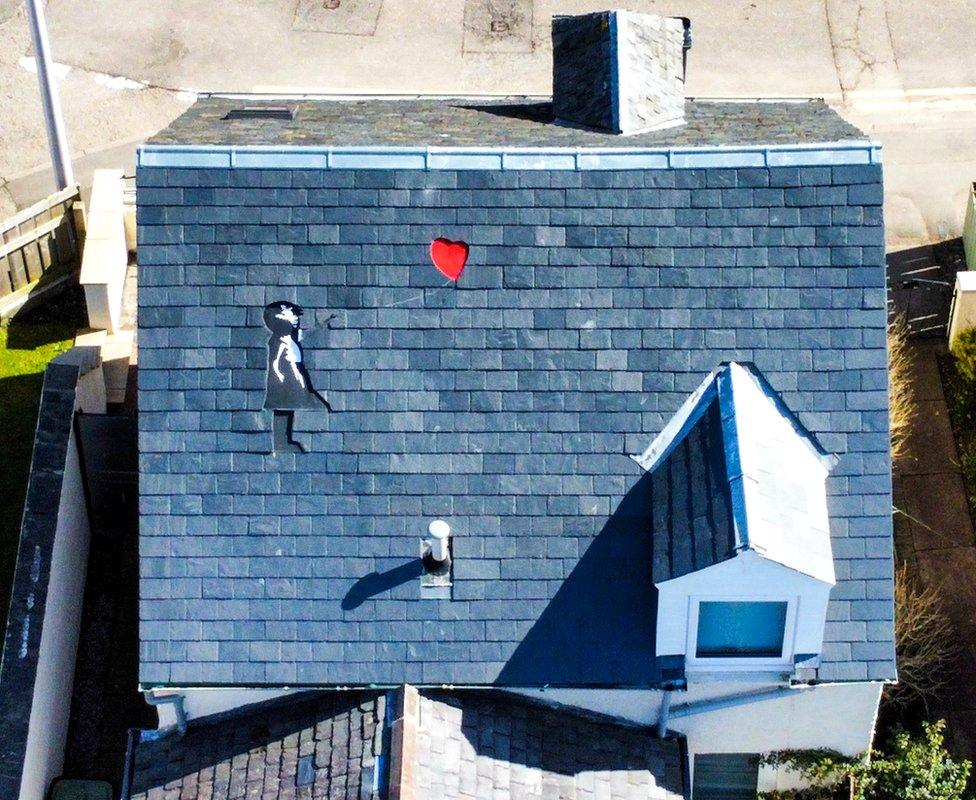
{"type": "Point", "coordinates": [930, 447]}
{"type": "Point", "coordinates": [937, 512]}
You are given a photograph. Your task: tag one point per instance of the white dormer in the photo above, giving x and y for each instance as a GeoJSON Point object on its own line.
{"type": "Point", "coordinates": [742, 557]}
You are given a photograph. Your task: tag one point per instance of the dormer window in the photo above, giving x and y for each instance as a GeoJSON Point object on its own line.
{"type": "Point", "coordinates": [742, 557]}
{"type": "Point", "coordinates": [740, 629]}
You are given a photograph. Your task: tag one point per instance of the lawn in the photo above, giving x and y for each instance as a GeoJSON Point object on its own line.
{"type": "Point", "coordinates": [26, 346]}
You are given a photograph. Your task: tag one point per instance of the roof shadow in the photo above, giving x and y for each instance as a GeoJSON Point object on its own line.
{"type": "Point", "coordinates": [531, 112]}
{"type": "Point", "coordinates": [599, 629]}
{"type": "Point", "coordinates": [378, 582]}
{"type": "Point", "coordinates": [229, 736]}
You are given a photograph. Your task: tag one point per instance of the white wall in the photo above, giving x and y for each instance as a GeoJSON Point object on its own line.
{"type": "Point", "coordinates": [838, 716]}
{"type": "Point", "coordinates": [748, 576]}
{"type": "Point", "coordinates": [51, 705]}
{"type": "Point", "coordinates": [204, 702]}
{"type": "Point", "coordinates": [642, 706]}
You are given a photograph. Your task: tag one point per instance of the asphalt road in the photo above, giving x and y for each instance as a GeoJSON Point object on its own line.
{"type": "Point", "coordinates": [903, 71]}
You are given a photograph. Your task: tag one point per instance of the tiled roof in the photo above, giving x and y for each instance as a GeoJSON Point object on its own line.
{"type": "Point", "coordinates": [318, 745]}
{"type": "Point", "coordinates": [591, 305]}
{"type": "Point", "coordinates": [449, 746]}
{"type": "Point", "coordinates": [513, 122]}
{"type": "Point", "coordinates": [490, 744]}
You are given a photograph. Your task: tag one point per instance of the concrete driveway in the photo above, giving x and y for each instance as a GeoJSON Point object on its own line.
{"type": "Point", "coordinates": [904, 71]}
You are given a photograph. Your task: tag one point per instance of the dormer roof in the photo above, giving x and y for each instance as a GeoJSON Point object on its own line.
{"type": "Point", "coordinates": [756, 480]}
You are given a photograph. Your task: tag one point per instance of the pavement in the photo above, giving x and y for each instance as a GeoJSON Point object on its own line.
{"type": "Point", "coordinates": [905, 72]}
{"type": "Point", "coordinates": [934, 533]}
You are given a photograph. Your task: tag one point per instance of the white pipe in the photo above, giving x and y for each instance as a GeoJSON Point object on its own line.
{"type": "Point", "coordinates": [731, 701]}
{"type": "Point", "coordinates": [439, 532]}
{"type": "Point", "coordinates": [57, 140]}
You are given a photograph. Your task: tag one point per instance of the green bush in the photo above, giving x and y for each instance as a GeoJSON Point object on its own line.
{"type": "Point", "coordinates": [964, 349]}
{"type": "Point", "coordinates": [908, 768]}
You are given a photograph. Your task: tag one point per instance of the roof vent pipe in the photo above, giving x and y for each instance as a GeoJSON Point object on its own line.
{"type": "Point", "coordinates": [439, 543]}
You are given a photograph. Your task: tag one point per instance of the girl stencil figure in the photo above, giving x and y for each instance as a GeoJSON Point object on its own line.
{"type": "Point", "coordinates": [289, 386]}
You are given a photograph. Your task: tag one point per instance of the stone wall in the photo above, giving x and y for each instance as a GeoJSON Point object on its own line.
{"type": "Point", "coordinates": [618, 70]}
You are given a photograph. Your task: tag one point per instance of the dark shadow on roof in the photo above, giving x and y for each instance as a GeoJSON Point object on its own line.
{"type": "Point", "coordinates": [378, 582]}
{"type": "Point", "coordinates": [339, 726]}
{"type": "Point", "coordinates": [531, 112]}
{"type": "Point", "coordinates": [599, 628]}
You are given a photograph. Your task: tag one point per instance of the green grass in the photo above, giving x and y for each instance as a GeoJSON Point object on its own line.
{"type": "Point", "coordinates": [960, 394]}
{"type": "Point", "coordinates": [26, 346]}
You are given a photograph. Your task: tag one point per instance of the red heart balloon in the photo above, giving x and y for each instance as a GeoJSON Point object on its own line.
{"type": "Point", "coordinates": [449, 257]}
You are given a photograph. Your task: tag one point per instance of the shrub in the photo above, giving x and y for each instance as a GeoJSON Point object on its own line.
{"type": "Point", "coordinates": [901, 398]}
{"type": "Point", "coordinates": [908, 768]}
{"type": "Point", "coordinates": [925, 641]}
{"type": "Point", "coordinates": [915, 769]}
{"type": "Point", "coordinates": [964, 349]}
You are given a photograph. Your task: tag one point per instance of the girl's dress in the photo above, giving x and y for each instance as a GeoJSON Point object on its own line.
{"type": "Point", "coordinates": [287, 393]}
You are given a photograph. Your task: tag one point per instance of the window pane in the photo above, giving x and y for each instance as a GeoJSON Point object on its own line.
{"type": "Point", "coordinates": [740, 629]}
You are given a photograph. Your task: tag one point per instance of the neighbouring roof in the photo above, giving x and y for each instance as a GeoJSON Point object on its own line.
{"type": "Point", "coordinates": [445, 745]}
{"type": "Point", "coordinates": [492, 744]}
{"type": "Point", "coordinates": [748, 476]}
{"type": "Point", "coordinates": [506, 122]}
{"type": "Point", "coordinates": [255, 751]}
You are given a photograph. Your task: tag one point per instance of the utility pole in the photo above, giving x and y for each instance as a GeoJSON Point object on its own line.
{"type": "Point", "coordinates": [57, 141]}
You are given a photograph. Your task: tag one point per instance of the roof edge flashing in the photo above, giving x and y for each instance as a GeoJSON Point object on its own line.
{"type": "Point", "coordinates": [214, 156]}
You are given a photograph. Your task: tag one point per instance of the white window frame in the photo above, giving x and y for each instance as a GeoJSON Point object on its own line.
{"type": "Point", "coordinates": [741, 663]}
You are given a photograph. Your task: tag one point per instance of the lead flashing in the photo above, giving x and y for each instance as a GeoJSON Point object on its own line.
{"type": "Point", "coordinates": [502, 159]}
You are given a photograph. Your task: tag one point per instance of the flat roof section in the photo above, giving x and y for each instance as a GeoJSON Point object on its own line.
{"type": "Point", "coordinates": [502, 122]}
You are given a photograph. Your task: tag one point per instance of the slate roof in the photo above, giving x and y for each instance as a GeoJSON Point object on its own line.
{"type": "Point", "coordinates": [255, 751]}
{"type": "Point", "coordinates": [691, 503]}
{"type": "Point", "coordinates": [738, 472]}
{"type": "Point", "coordinates": [508, 122]}
{"type": "Point", "coordinates": [493, 744]}
{"type": "Point", "coordinates": [592, 304]}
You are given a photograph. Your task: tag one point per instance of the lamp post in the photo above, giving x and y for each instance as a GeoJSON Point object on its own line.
{"type": "Point", "coordinates": [57, 141]}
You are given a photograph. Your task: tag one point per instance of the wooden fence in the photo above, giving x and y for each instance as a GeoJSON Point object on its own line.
{"type": "Point", "coordinates": [43, 240]}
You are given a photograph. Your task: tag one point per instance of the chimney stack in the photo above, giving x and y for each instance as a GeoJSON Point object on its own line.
{"type": "Point", "coordinates": [619, 71]}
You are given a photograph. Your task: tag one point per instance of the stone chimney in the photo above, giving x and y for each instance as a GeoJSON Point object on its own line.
{"type": "Point", "coordinates": [619, 71]}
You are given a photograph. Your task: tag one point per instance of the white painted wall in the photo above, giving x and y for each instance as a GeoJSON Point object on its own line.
{"type": "Point", "coordinates": [642, 706]}
{"type": "Point", "coordinates": [51, 705]}
{"type": "Point", "coordinates": [47, 729]}
{"type": "Point", "coordinates": [204, 702]}
{"type": "Point", "coordinates": [839, 716]}
{"type": "Point", "coordinates": [963, 304]}
{"type": "Point", "coordinates": [748, 576]}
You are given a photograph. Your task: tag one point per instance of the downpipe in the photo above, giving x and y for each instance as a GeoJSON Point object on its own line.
{"type": "Point", "coordinates": [175, 700]}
